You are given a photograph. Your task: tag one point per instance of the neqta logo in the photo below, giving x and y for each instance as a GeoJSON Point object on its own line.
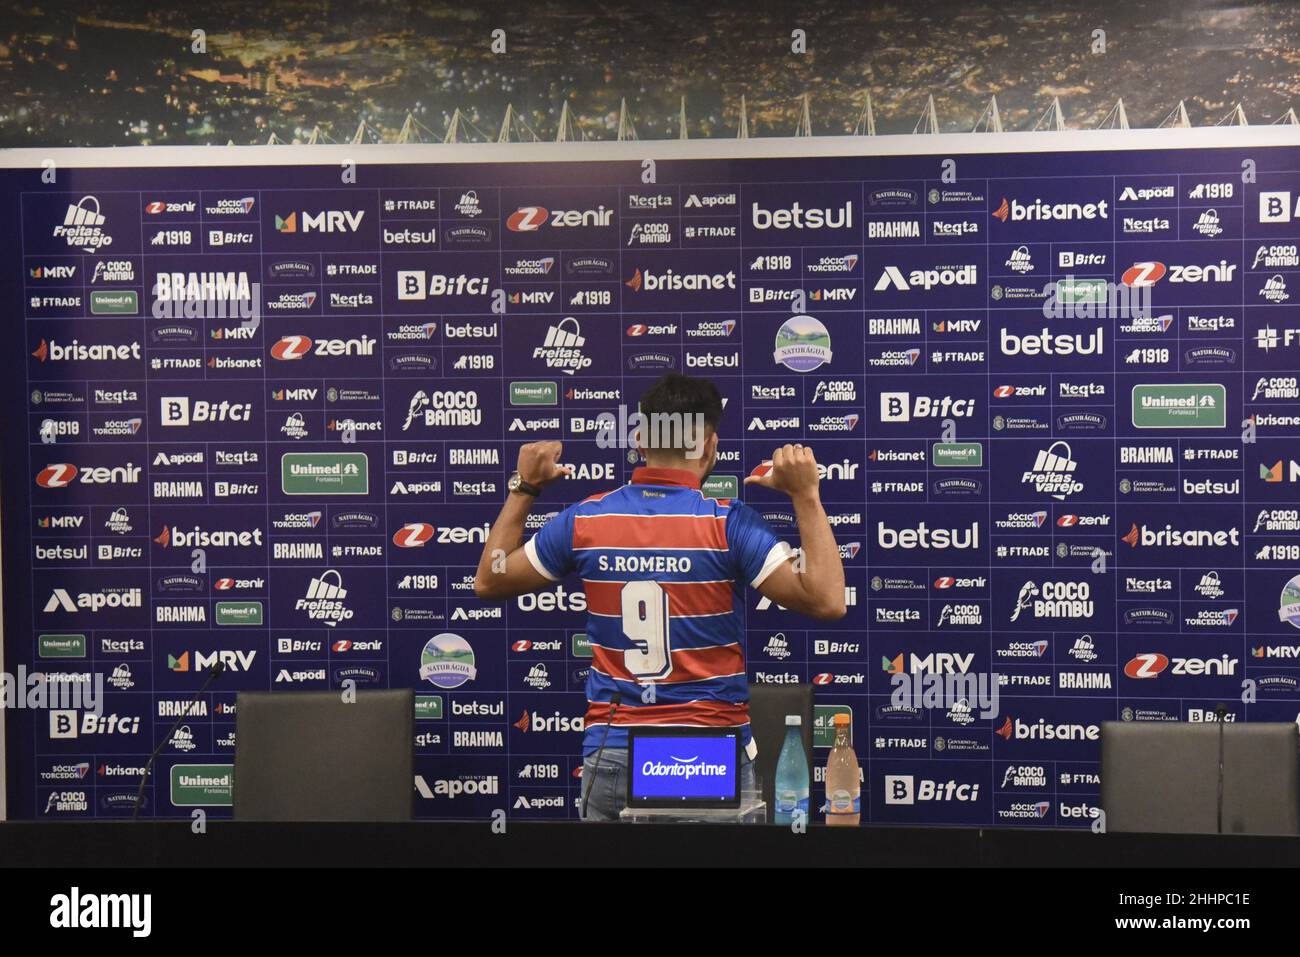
{"type": "Point", "coordinates": [413, 535]}
{"type": "Point", "coordinates": [527, 219]}
{"type": "Point", "coordinates": [1146, 665]}
{"type": "Point", "coordinates": [291, 347]}
{"type": "Point", "coordinates": [56, 476]}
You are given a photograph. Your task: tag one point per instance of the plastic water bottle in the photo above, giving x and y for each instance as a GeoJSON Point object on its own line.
{"type": "Point", "coordinates": [792, 774]}
{"type": "Point", "coordinates": [843, 779]}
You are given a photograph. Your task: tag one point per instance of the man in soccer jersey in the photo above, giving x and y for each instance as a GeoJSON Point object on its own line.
{"type": "Point", "coordinates": [664, 571]}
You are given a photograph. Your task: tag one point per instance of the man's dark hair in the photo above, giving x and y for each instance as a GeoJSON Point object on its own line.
{"type": "Point", "coordinates": [684, 395]}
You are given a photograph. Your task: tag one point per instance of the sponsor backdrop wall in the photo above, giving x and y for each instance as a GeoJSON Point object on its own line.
{"type": "Point", "coordinates": [260, 406]}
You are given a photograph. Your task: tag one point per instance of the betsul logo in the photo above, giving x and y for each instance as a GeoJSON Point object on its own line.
{"type": "Point", "coordinates": [413, 535]}
{"type": "Point", "coordinates": [291, 347]}
{"type": "Point", "coordinates": [56, 476]}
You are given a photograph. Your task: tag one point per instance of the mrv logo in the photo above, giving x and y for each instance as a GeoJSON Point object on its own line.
{"type": "Point", "coordinates": [1054, 599]}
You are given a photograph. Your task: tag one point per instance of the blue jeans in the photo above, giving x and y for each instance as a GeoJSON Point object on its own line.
{"type": "Point", "coordinates": [605, 786]}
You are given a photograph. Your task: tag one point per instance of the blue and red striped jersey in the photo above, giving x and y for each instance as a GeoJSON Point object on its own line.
{"type": "Point", "coordinates": [664, 569]}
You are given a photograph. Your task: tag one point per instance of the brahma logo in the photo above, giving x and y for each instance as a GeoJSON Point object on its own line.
{"type": "Point", "coordinates": [56, 476]}
{"type": "Point", "coordinates": [291, 347]}
{"type": "Point", "coordinates": [527, 219]}
{"type": "Point", "coordinates": [413, 535]}
{"type": "Point", "coordinates": [1146, 665]}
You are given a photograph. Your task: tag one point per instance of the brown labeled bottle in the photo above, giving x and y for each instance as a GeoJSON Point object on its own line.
{"type": "Point", "coordinates": [843, 779]}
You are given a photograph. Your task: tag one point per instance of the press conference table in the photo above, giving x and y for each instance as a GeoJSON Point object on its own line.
{"type": "Point", "coordinates": [551, 844]}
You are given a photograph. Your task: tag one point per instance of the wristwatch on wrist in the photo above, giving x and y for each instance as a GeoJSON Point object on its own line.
{"type": "Point", "coordinates": [517, 484]}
